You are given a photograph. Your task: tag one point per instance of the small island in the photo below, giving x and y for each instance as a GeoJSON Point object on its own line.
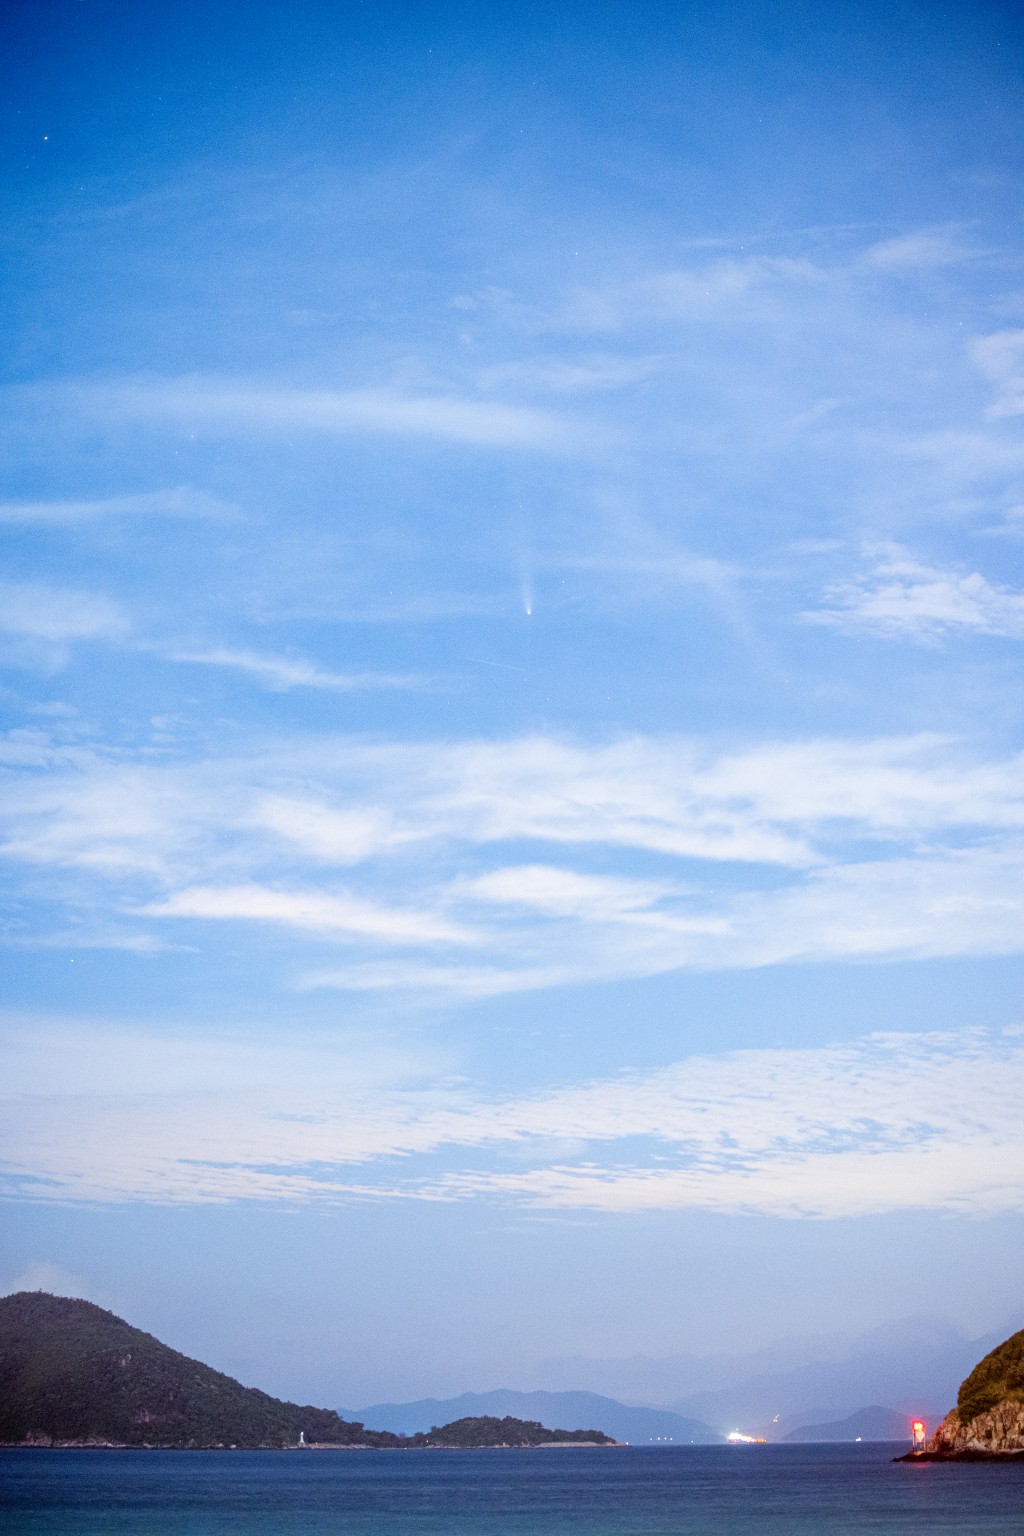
{"type": "Point", "coordinates": [987, 1423]}
{"type": "Point", "coordinates": [74, 1375]}
{"type": "Point", "coordinates": [481, 1433]}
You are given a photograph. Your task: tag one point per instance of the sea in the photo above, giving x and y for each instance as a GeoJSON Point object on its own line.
{"type": "Point", "coordinates": [751, 1490]}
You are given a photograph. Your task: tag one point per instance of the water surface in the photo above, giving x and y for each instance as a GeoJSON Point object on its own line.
{"type": "Point", "coordinates": [847, 1490]}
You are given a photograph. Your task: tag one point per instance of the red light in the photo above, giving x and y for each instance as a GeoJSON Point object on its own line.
{"type": "Point", "coordinates": [918, 1427]}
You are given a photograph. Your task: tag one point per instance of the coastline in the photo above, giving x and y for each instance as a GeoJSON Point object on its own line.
{"type": "Point", "coordinates": [315, 1445]}
{"type": "Point", "coordinates": [965, 1455]}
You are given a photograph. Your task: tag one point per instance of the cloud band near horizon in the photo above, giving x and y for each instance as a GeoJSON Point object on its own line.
{"type": "Point", "coordinates": [889, 1122]}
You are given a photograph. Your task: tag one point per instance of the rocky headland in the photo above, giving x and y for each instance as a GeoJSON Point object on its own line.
{"type": "Point", "coordinates": [987, 1423]}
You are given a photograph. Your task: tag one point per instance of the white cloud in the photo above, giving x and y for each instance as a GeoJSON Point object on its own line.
{"type": "Point", "coordinates": [105, 816]}
{"type": "Point", "coordinates": [902, 597]}
{"type": "Point", "coordinates": [884, 1123]}
{"type": "Point", "coordinates": [178, 501]}
{"type": "Point", "coordinates": [638, 793]}
{"type": "Point", "coordinates": [45, 1275]}
{"type": "Point", "coordinates": [459, 982]}
{"type": "Point", "coordinates": [776, 853]}
{"type": "Point", "coordinates": [284, 672]}
{"type": "Point", "coordinates": [918, 251]}
{"type": "Point", "coordinates": [218, 405]}
{"type": "Point", "coordinates": [762, 804]}
{"type": "Point", "coordinates": [753, 286]}
{"type": "Point", "coordinates": [336, 912]}
{"type": "Point", "coordinates": [573, 375]}
{"type": "Point", "coordinates": [1000, 357]}
{"type": "Point", "coordinates": [727, 288]}
{"type": "Point", "coordinates": [923, 907]}
{"type": "Point", "coordinates": [565, 893]}
{"type": "Point", "coordinates": [328, 834]}
{"type": "Point", "coordinates": [42, 612]}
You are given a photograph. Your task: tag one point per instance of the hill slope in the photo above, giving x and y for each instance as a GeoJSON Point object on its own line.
{"type": "Point", "coordinates": [69, 1371]}
{"type": "Point", "coordinates": [999, 1378]}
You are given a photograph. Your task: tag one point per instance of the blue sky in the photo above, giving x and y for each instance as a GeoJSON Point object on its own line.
{"type": "Point", "coordinates": [511, 619]}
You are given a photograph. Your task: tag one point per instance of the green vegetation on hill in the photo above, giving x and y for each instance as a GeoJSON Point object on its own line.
{"type": "Point", "coordinates": [71, 1371]}
{"type": "Point", "coordinates": [487, 1431]}
{"type": "Point", "coordinates": [999, 1378]}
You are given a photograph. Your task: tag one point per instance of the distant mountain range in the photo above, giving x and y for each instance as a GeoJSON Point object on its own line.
{"type": "Point", "coordinates": [571, 1410]}
{"type": "Point", "coordinates": [866, 1424]}
{"type": "Point", "coordinates": [624, 1422]}
{"type": "Point", "coordinates": [913, 1366]}
{"type": "Point", "coordinates": [71, 1371]}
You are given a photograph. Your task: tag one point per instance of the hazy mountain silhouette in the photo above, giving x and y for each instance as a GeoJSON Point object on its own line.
{"type": "Point", "coordinates": [866, 1424]}
{"type": "Point", "coordinates": [913, 1365]}
{"type": "Point", "coordinates": [572, 1410]}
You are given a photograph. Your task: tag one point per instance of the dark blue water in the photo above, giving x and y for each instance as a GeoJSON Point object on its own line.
{"type": "Point", "coordinates": [681, 1491]}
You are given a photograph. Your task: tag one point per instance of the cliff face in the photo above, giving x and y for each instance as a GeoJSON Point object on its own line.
{"type": "Point", "coordinates": [999, 1431]}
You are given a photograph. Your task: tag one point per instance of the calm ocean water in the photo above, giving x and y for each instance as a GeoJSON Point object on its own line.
{"type": "Point", "coordinates": [680, 1491]}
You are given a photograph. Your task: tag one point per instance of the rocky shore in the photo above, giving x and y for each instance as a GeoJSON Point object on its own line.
{"type": "Point", "coordinates": [997, 1435]}
{"type": "Point", "coordinates": [987, 1423]}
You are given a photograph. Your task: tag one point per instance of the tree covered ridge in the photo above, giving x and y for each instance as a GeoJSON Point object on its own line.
{"type": "Point", "coordinates": [998, 1378]}
{"type": "Point", "coordinates": [488, 1431]}
{"type": "Point", "coordinates": [72, 1372]}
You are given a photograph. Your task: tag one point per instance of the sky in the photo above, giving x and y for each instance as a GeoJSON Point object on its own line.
{"type": "Point", "coordinates": [511, 622]}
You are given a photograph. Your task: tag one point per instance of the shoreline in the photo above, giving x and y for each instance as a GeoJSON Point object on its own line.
{"type": "Point", "coordinates": [969, 1455]}
{"type": "Point", "coordinates": [316, 1445]}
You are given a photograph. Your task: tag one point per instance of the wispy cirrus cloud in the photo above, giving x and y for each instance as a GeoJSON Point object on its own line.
{"type": "Point", "coordinates": [42, 612]}
{"type": "Point", "coordinates": [882, 1123]}
{"type": "Point", "coordinates": [657, 854]}
{"type": "Point", "coordinates": [570, 931]}
{"type": "Point", "coordinates": [743, 285]}
{"type": "Point", "coordinates": [1000, 357]}
{"type": "Point", "coordinates": [283, 672]}
{"type": "Point", "coordinates": [178, 501]}
{"type": "Point", "coordinates": [902, 597]}
{"type": "Point", "coordinates": [240, 405]}
{"type": "Point", "coordinates": [334, 913]}
{"type": "Point", "coordinates": [727, 288]}
{"type": "Point", "coordinates": [571, 375]}
{"type": "Point", "coordinates": [918, 251]}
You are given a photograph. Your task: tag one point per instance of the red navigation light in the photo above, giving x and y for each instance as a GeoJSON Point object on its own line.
{"type": "Point", "coordinates": [917, 1430]}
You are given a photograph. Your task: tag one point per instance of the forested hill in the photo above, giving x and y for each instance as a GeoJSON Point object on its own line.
{"type": "Point", "coordinates": [69, 1371]}
{"type": "Point", "coordinates": [488, 1431]}
{"type": "Point", "coordinates": [999, 1378]}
